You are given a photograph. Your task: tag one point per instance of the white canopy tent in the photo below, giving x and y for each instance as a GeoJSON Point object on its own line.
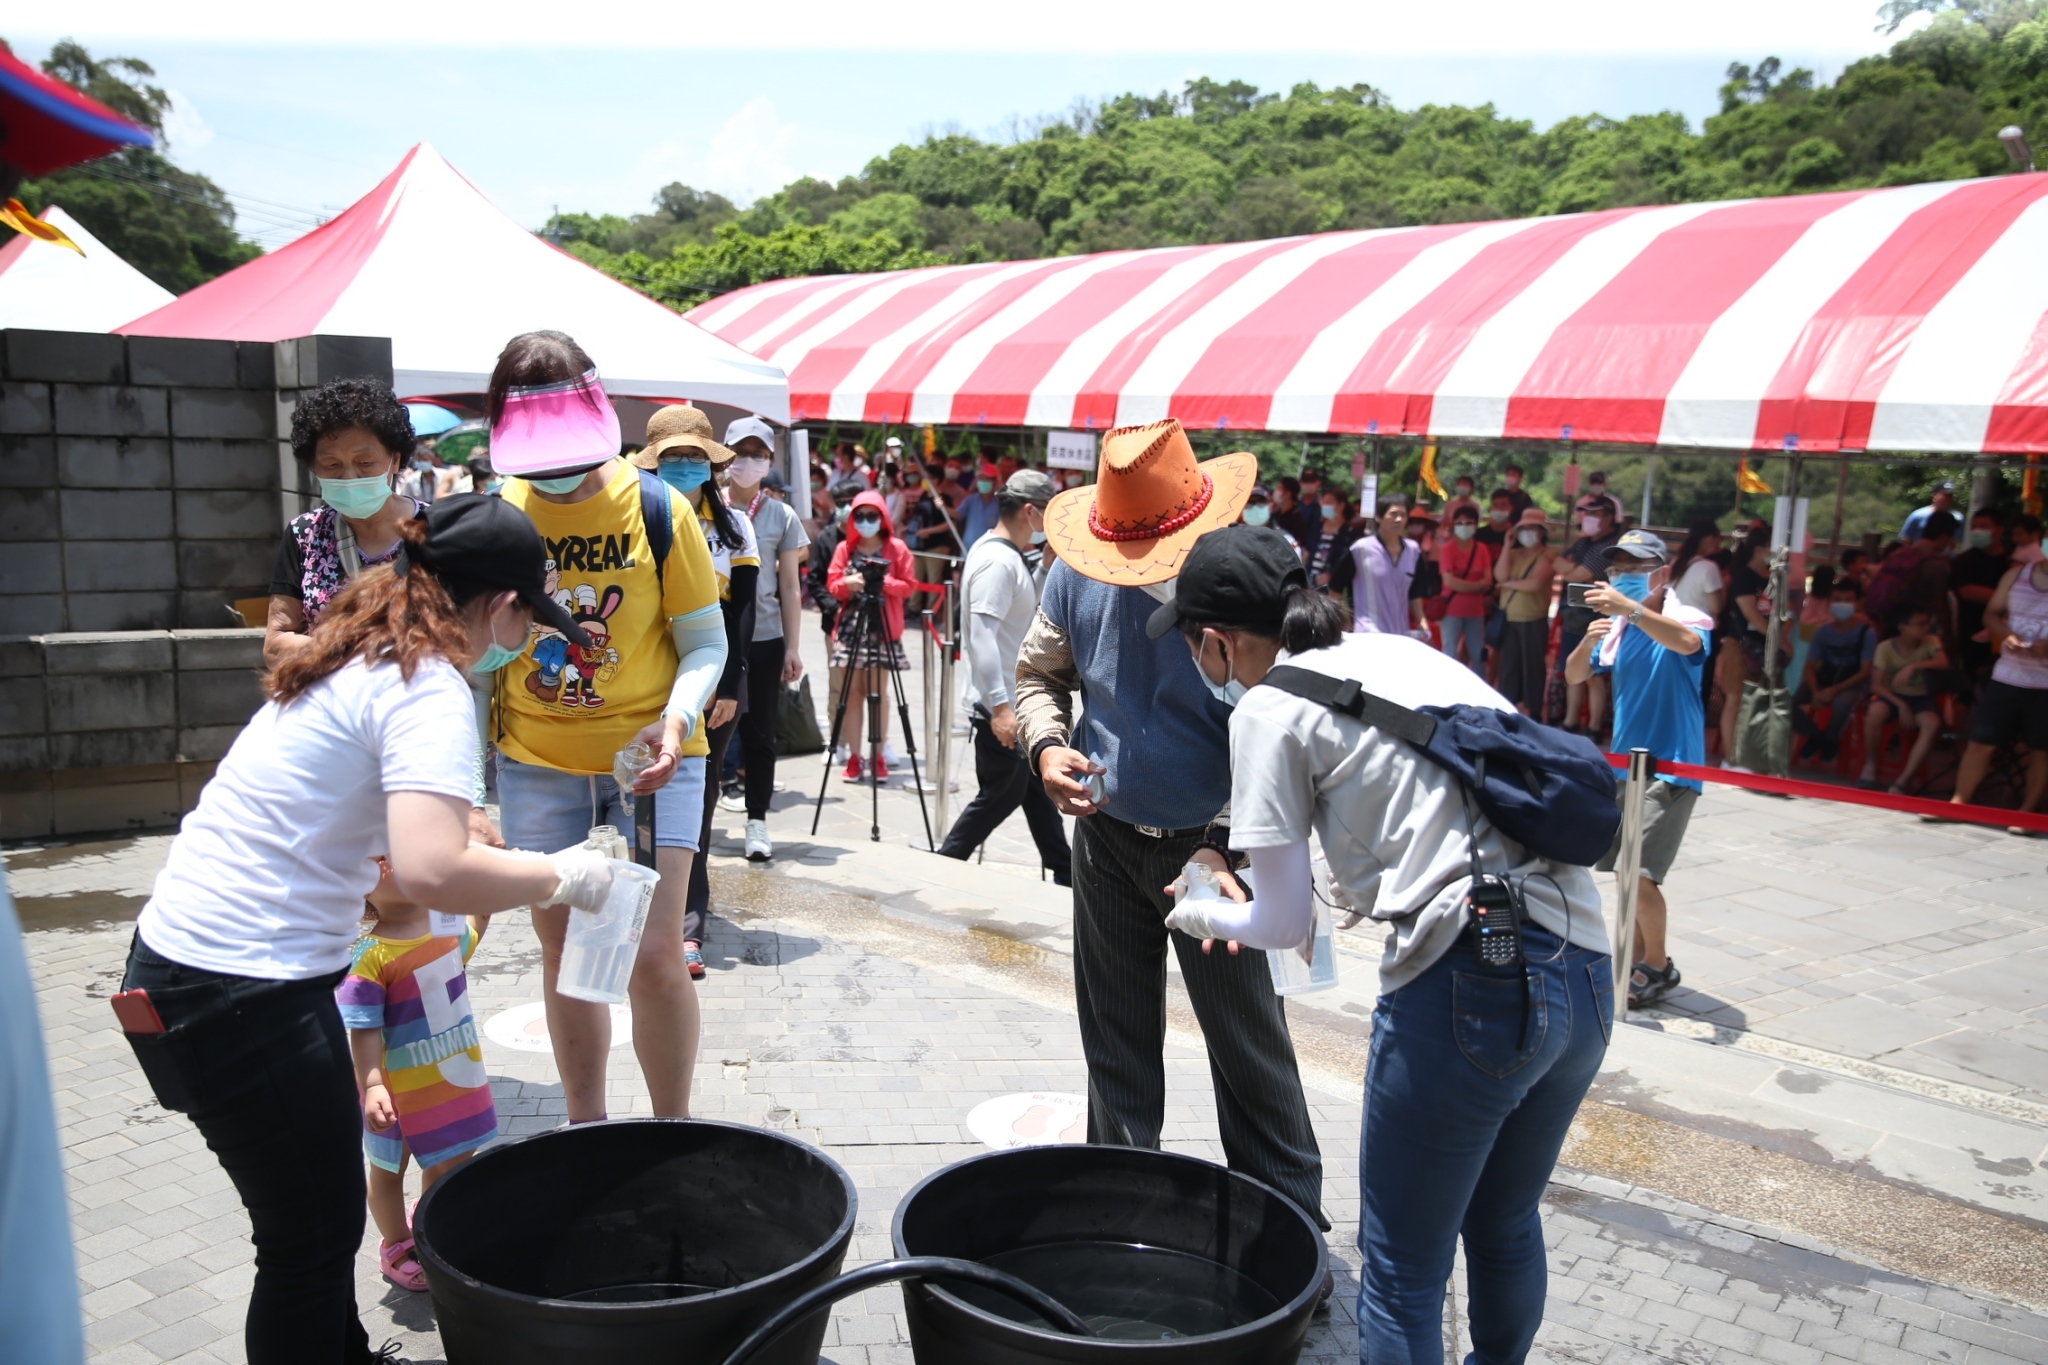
{"type": "Point", "coordinates": [427, 260]}
{"type": "Point", "coordinates": [52, 288]}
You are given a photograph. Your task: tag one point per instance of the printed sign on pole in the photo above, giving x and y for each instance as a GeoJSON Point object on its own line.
{"type": "Point", "coordinates": [1070, 450]}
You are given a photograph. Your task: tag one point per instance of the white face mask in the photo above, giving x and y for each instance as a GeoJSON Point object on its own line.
{"type": "Point", "coordinates": [1529, 538]}
{"type": "Point", "coordinates": [1230, 691]}
{"type": "Point", "coordinates": [1590, 525]}
{"type": "Point", "coordinates": [1464, 530]}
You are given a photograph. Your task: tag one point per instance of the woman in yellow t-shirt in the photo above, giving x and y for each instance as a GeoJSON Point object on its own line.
{"type": "Point", "coordinates": [564, 710]}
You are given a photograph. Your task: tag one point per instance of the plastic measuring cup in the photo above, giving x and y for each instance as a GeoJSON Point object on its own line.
{"type": "Point", "coordinates": [598, 951]}
{"type": "Point", "coordinates": [1310, 967]}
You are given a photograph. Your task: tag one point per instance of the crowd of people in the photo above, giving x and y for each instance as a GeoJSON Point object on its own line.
{"type": "Point", "coordinates": [296, 981]}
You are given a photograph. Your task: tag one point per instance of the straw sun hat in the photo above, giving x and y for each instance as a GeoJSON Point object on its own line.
{"type": "Point", "coordinates": [676, 426]}
{"type": "Point", "coordinates": [1149, 504]}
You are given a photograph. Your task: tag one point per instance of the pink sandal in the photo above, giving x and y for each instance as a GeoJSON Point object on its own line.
{"type": "Point", "coordinates": [400, 1266]}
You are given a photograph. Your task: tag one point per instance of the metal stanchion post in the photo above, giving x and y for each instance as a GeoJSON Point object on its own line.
{"type": "Point", "coordinates": [1628, 868]}
{"type": "Point", "coordinates": [930, 679]}
{"type": "Point", "coordinates": [942, 751]}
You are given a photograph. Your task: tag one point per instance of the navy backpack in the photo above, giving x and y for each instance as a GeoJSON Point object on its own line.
{"type": "Point", "coordinates": [1551, 792]}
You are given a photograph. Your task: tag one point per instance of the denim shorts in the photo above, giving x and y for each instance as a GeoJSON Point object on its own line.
{"type": "Point", "coordinates": [544, 810]}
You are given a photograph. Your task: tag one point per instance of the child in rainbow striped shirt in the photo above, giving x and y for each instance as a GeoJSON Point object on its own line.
{"type": "Point", "coordinates": [419, 1063]}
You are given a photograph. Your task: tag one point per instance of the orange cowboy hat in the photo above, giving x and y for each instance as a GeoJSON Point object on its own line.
{"type": "Point", "coordinates": [1149, 504]}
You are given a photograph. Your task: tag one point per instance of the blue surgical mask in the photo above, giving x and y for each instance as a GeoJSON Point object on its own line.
{"type": "Point", "coordinates": [356, 499]}
{"type": "Point", "coordinates": [685, 476]}
{"type": "Point", "coordinates": [1634, 586]}
{"type": "Point", "coordinates": [495, 657]}
{"type": "Point", "coordinates": [1979, 540]}
{"type": "Point", "coordinates": [1331, 513]}
{"type": "Point", "coordinates": [1230, 692]}
{"type": "Point", "coordinates": [1257, 515]}
{"type": "Point", "coordinates": [1038, 537]}
{"type": "Point", "coordinates": [1841, 611]}
{"type": "Point", "coordinates": [561, 487]}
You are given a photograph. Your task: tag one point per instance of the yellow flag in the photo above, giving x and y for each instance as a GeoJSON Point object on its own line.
{"type": "Point", "coordinates": [1429, 471]}
{"type": "Point", "coordinates": [16, 215]}
{"type": "Point", "coordinates": [931, 441]}
{"type": "Point", "coordinates": [1746, 479]}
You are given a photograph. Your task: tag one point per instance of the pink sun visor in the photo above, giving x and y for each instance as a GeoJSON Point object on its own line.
{"type": "Point", "coordinates": [555, 428]}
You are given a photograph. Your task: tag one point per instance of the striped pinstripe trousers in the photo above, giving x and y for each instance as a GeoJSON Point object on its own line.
{"type": "Point", "coordinates": [1120, 938]}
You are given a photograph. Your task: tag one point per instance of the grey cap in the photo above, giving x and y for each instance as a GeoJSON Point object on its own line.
{"type": "Point", "coordinates": [1032, 485]}
{"type": "Point", "coordinates": [1641, 544]}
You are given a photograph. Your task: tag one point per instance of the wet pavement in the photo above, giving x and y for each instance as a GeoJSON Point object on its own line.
{"type": "Point", "coordinates": [875, 1032]}
{"type": "Point", "coordinates": [1828, 1148]}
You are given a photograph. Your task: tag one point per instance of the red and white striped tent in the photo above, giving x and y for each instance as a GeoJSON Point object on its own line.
{"type": "Point", "coordinates": [1909, 319]}
{"type": "Point", "coordinates": [427, 260]}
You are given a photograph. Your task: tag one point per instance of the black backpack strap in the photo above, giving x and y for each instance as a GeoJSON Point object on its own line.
{"type": "Point", "coordinates": [1345, 696]}
{"type": "Point", "coordinates": [656, 519]}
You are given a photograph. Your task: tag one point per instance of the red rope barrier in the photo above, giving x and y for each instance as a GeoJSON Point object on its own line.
{"type": "Point", "coordinates": [1855, 796]}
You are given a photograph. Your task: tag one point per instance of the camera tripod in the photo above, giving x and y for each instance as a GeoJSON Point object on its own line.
{"type": "Point", "coordinates": [865, 629]}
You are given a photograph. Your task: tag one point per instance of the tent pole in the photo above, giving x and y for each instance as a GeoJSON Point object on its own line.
{"type": "Point", "coordinates": [1841, 496]}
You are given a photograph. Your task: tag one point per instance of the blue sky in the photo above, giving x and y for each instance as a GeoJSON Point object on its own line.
{"type": "Point", "coordinates": [297, 127]}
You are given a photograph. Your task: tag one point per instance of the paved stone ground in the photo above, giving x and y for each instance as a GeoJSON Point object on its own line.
{"type": "Point", "coordinates": [1857, 931]}
{"type": "Point", "coordinates": [878, 1062]}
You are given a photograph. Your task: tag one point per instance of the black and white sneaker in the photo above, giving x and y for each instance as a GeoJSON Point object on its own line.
{"type": "Point", "coordinates": [1647, 985]}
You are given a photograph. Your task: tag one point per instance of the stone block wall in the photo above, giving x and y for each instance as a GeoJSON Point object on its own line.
{"type": "Point", "coordinates": [118, 730]}
{"type": "Point", "coordinates": [144, 481]}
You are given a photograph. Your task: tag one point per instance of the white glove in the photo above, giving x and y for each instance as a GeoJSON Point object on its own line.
{"type": "Point", "coordinates": [1188, 917]}
{"type": "Point", "coordinates": [585, 878]}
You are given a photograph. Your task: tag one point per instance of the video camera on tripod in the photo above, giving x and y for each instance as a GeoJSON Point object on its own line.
{"type": "Point", "coordinates": [872, 572]}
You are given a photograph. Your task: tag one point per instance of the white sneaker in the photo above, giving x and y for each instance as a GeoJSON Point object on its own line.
{"type": "Point", "coordinates": [759, 847]}
{"type": "Point", "coordinates": [839, 757]}
{"type": "Point", "coordinates": [892, 756]}
{"type": "Point", "coordinates": [733, 800]}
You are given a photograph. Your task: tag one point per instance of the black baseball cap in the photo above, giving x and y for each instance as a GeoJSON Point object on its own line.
{"type": "Point", "coordinates": [1236, 576]}
{"type": "Point", "coordinates": [477, 538]}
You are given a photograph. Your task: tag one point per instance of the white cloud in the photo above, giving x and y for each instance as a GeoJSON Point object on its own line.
{"type": "Point", "coordinates": [184, 129]}
{"type": "Point", "coordinates": [750, 153]}
{"type": "Point", "coordinates": [1471, 27]}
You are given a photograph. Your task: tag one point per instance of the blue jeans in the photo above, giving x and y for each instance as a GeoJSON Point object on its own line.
{"type": "Point", "coordinates": [545, 810]}
{"type": "Point", "coordinates": [1465, 639]}
{"type": "Point", "coordinates": [1464, 1118]}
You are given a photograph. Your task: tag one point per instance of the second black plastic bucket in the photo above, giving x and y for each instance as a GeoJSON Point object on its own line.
{"type": "Point", "coordinates": [1171, 1260]}
{"type": "Point", "coordinates": [638, 1240]}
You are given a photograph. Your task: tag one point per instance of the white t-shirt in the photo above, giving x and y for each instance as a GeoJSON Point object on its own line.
{"type": "Point", "coordinates": [1392, 824]}
{"type": "Point", "coordinates": [1701, 577]}
{"type": "Point", "coordinates": [1001, 597]}
{"type": "Point", "coordinates": [267, 876]}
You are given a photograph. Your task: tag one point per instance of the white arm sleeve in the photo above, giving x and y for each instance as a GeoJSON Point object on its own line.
{"type": "Point", "coordinates": [985, 661]}
{"type": "Point", "coordinates": [700, 659]}
{"type": "Point", "coordinates": [1279, 916]}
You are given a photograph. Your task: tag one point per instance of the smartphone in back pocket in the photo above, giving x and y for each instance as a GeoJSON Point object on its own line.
{"type": "Point", "coordinates": [136, 1013]}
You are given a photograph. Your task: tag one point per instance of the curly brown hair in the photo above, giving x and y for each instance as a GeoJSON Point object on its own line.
{"type": "Point", "coordinates": [382, 614]}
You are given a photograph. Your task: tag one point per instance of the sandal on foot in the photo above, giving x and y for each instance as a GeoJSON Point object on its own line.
{"type": "Point", "coordinates": [1647, 985]}
{"type": "Point", "coordinates": [400, 1266]}
{"type": "Point", "coordinates": [693, 958]}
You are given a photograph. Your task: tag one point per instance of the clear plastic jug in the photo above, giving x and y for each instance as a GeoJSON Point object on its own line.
{"type": "Point", "coordinates": [598, 951]}
{"type": "Point", "coordinates": [1311, 967]}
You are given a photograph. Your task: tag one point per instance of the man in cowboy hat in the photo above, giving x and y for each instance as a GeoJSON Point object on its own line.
{"type": "Point", "coordinates": [1153, 744]}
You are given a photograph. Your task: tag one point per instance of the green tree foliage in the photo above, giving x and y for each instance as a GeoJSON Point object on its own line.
{"type": "Point", "coordinates": [176, 227]}
{"type": "Point", "coordinates": [1224, 161]}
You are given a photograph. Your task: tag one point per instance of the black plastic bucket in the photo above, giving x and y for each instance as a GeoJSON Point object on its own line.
{"type": "Point", "coordinates": [1171, 1260]}
{"type": "Point", "coordinates": [634, 1240]}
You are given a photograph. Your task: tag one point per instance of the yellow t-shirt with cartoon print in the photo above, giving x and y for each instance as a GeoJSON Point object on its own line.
{"type": "Point", "coordinates": [570, 708]}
